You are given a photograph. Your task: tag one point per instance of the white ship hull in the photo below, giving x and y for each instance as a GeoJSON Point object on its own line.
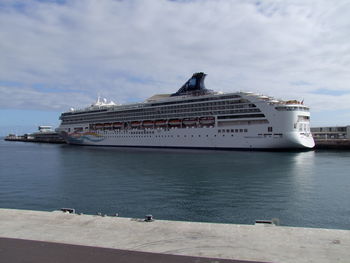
{"type": "Point", "coordinates": [193, 138]}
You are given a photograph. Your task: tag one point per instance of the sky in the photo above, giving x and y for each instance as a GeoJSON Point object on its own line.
{"type": "Point", "coordinates": [58, 54]}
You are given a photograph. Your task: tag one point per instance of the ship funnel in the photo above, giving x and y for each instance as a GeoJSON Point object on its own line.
{"type": "Point", "coordinates": [194, 86]}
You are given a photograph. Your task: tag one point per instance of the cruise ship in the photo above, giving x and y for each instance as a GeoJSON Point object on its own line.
{"type": "Point", "coordinates": [193, 117]}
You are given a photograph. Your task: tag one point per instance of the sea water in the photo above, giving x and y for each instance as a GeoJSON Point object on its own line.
{"type": "Point", "coordinates": [307, 189]}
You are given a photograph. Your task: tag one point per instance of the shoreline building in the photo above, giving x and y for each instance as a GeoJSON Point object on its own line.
{"type": "Point", "coordinates": [331, 132]}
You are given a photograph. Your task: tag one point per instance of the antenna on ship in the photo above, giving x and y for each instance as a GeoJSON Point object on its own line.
{"type": "Point", "coordinates": [98, 102]}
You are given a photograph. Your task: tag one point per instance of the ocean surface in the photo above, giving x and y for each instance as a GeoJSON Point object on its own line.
{"type": "Point", "coordinates": [307, 189]}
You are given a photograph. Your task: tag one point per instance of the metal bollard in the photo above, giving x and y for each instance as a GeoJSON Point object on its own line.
{"type": "Point", "coordinates": [149, 218]}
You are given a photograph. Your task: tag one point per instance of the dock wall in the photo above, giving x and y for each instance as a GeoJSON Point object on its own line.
{"type": "Point", "coordinates": [334, 144]}
{"type": "Point", "coordinates": [262, 242]}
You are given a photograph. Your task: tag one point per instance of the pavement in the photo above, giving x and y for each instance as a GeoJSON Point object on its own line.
{"type": "Point", "coordinates": [29, 251]}
{"type": "Point", "coordinates": [132, 239]}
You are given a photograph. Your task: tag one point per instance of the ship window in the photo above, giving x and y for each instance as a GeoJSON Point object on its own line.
{"type": "Point", "coordinates": [269, 129]}
{"type": "Point", "coordinates": [303, 118]}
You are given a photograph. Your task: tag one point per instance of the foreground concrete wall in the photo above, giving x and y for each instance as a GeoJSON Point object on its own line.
{"type": "Point", "coordinates": [245, 242]}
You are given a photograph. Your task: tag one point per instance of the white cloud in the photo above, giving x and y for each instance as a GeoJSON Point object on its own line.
{"type": "Point", "coordinates": [129, 50]}
{"type": "Point", "coordinates": [31, 99]}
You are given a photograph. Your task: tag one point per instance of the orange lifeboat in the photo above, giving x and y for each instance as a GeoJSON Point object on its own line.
{"type": "Point", "coordinates": [107, 126]}
{"type": "Point", "coordinates": [160, 123]}
{"type": "Point", "coordinates": [98, 126]}
{"type": "Point", "coordinates": [190, 121]}
{"type": "Point", "coordinates": [210, 120]}
{"type": "Point", "coordinates": [175, 122]}
{"type": "Point", "coordinates": [117, 125]}
{"type": "Point", "coordinates": [135, 124]}
{"type": "Point", "coordinates": [147, 124]}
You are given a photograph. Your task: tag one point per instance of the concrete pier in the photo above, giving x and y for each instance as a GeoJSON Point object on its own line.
{"type": "Point", "coordinates": [332, 144]}
{"type": "Point", "coordinates": [258, 243]}
{"type": "Point", "coordinates": [42, 138]}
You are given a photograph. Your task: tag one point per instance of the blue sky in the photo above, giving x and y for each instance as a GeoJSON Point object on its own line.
{"type": "Point", "coordinates": [60, 54]}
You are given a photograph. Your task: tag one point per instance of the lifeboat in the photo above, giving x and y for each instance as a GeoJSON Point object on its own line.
{"type": "Point", "coordinates": [210, 120]}
{"type": "Point", "coordinates": [98, 126]}
{"type": "Point", "coordinates": [107, 125]}
{"type": "Point", "coordinates": [175, 122]}
{"type": "Point", "coordinates": [190, 121]}
{"type": "Point", "coordinates": [117, 125]}
{"type": "Point", "coordinates": [147, 124]}
{"type": "Point", "coordinates": [135, 124]}
{"type": "Point", "coordinates": [160, 123]}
